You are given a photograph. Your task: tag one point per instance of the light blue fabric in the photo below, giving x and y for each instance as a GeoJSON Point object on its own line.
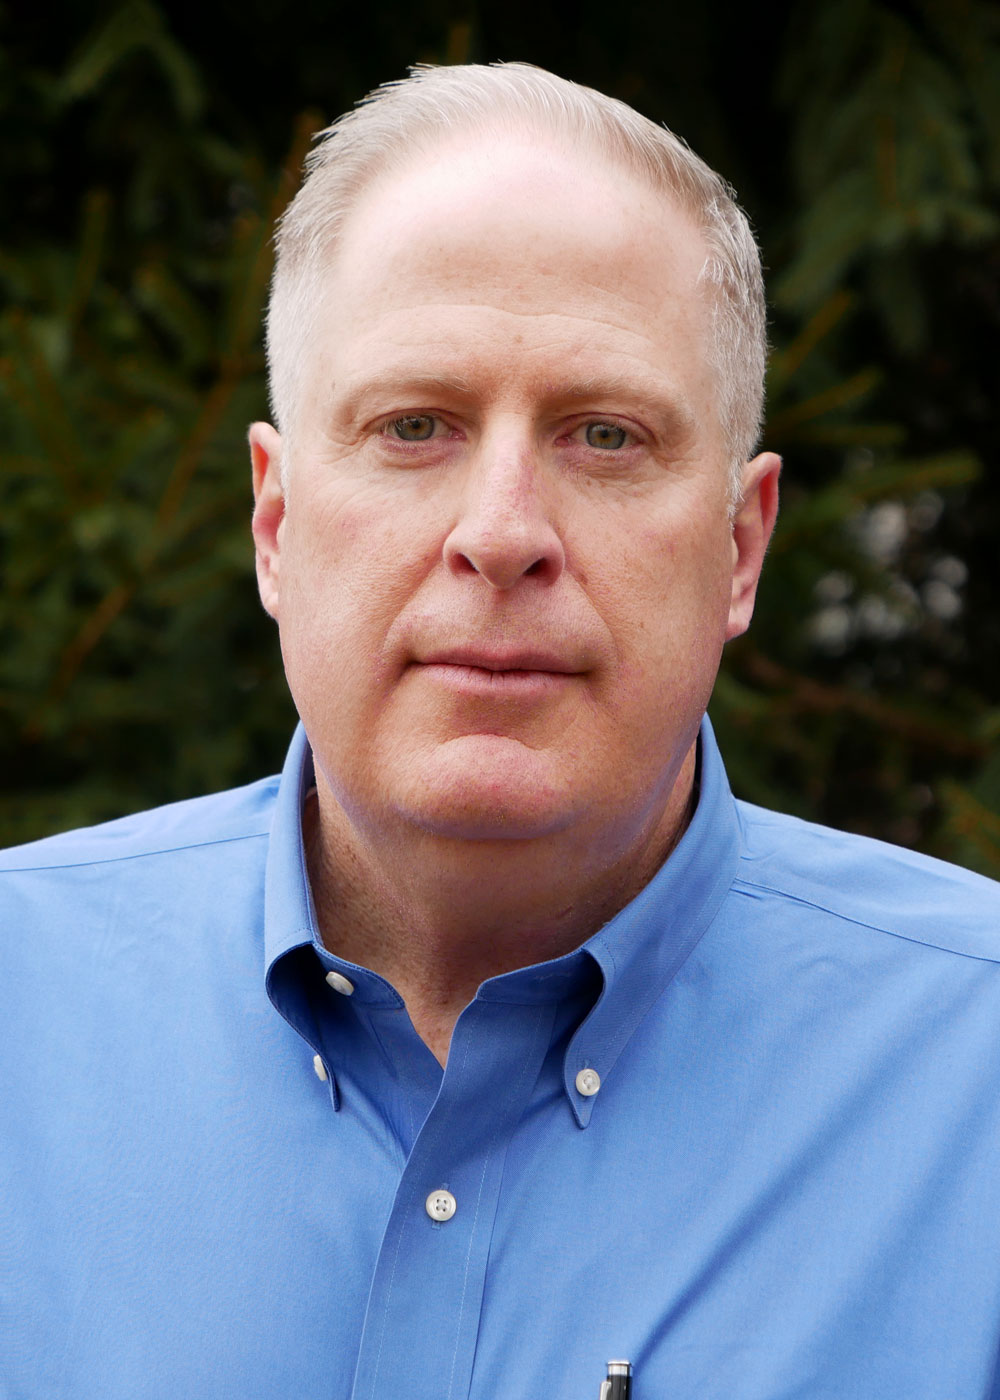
{"type": "Point", "coordinates": [787, 1187]}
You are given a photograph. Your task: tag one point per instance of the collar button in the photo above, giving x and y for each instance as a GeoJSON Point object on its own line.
{"type": "Point", "coordinates": [588, 1081]}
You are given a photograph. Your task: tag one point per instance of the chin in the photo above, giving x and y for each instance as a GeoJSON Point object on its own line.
{"type": "Point", "coordinates": [488, 788]}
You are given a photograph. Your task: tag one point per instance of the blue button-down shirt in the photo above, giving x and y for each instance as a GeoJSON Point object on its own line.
{"type": "Point", "coordinates": [215, 1163]}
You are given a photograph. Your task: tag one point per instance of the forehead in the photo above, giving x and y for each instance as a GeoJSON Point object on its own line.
{"type": "Point", "coordinates": [552, 205]}
{"type": "Point", "coordinates": [485, 245]}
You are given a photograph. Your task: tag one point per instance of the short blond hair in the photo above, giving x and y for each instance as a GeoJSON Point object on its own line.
{"type": "Point", "coordinates": [404, 118]}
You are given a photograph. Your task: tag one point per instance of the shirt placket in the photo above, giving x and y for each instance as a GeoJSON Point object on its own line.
{"type": "Point", "coordinates": [426, 1297]}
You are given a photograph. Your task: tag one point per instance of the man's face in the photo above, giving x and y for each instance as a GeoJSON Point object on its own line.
{"type": "Point", "coordinates": [505, 568]}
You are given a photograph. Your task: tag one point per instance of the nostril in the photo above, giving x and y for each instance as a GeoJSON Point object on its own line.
{"type": "Point", "coordinates": [517, 546]}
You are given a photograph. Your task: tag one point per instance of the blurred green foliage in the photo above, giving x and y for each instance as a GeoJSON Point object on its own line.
{"type": "Point", "coordinates": [148, 150]}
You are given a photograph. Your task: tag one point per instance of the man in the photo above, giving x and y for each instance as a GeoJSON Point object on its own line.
{"type": "Point", "coordinates": [495, 1039]}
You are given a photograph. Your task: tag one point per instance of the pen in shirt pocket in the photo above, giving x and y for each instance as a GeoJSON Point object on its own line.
{"type": "Point", "coordinates": [618, 1385]}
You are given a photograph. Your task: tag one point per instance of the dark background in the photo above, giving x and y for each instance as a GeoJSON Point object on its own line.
{"type": "Point", "coordinates": [147, 149]}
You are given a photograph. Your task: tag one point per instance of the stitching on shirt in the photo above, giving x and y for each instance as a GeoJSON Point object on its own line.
{"type": "Point", "coordinates": [392, 1280]}
{"type": "Point", "coordinates": [749, 885]}
{"type": "Point", "coordinates": [147, 854]}
{"type": "Point", "coordinates": [472, 1236]}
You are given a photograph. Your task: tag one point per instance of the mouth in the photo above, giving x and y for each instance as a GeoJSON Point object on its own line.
{"type": "Point", "coordinates": [500, 673]}
{"type": "Point", "coordinates": [502, 662]}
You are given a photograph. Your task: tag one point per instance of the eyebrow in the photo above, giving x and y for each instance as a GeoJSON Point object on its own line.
{"type": "Point", "coordinates": [670, 410]}
{"type": "Point", "coordinates": [667, 406]}
{"type": "Point", "coordinates": [404, 382]}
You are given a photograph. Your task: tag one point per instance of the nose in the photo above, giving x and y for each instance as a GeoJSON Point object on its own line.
{"type": "Point", "coordinates": [506, 530]}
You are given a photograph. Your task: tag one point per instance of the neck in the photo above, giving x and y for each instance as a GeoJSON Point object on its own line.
{"type": "Point", "coordinates": [436, 916]}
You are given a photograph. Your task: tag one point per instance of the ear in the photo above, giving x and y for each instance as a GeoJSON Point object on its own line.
{"type": "Point", "coordinates": [752, 526]}
{"type": "Point", "coordinates": [269, 510]}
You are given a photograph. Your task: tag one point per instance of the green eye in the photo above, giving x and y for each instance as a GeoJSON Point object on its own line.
{"type": "Point", "coordinates": [606, 435]}
{"type": "Point", "coordinates": [415, 427]}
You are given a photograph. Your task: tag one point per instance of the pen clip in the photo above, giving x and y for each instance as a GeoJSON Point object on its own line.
{"type": "Point", "coordinates": [618, 1385]}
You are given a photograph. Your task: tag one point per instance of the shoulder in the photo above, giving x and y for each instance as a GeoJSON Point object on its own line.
{"type": "Point", "coordinates": [153, 888]}
{"type": "Point", "coordinates": [868, 883]}
{"type": "Point", "coordinates": [237, 815]}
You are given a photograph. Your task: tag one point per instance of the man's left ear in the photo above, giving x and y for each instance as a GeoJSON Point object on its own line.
{"type": "Point", "coordinates": [269, 510]}
{"type": "Point", "coordinates": [752, 526]}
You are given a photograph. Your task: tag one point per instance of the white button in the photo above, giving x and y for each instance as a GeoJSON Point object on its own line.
{"type": "Point", "coordinates": [440, 1205]}
{"type": "Point", "coordinates": [588, 1081]}
{"type": "Point", "coordinates": [320, 1068]}
{"type": "Point", "coordinates": [340, 983]}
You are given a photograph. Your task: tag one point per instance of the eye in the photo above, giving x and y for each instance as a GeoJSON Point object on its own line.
{"type": "Point", "coordinates": [607, 436]}
{"type": "Point", "coordinates": [414, 427]}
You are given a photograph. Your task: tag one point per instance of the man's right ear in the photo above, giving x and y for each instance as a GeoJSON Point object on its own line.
{"type": "Point", "coordinates": [269, 510]}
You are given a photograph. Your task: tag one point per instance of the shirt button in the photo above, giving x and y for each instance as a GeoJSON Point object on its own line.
{"type": "Point", "coordinates": [440, 1205]}
{"type": "Point", "coordinates": [340, 983]}
{"type": "Point", "coordinates": [588, 1081]}
{"type": "Point", "coordinates": [320, 1068]}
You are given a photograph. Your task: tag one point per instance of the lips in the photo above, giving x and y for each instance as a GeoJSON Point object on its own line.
{"type": "Point", "coordinates": [498, 675]}
{"type": "Point", "coordinates": [502, 660]}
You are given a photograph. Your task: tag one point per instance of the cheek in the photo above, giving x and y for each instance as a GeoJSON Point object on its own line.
{"type": "Point", "coordinates": [352, 559]}
{"type": "Point", "coordinates": [355, 550]}
{"type": "Point", "coordinates": [661, 581]}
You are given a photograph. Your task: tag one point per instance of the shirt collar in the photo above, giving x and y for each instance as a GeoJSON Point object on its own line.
{"type": "Point", "coordinates": [289, 915]}
{"type": "Point", "coordinates": [638, 951]}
